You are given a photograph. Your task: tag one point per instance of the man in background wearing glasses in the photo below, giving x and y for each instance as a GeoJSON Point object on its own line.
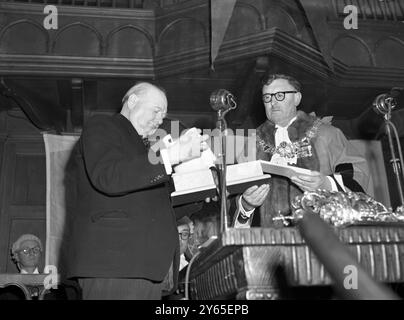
{"type": "Point", "coordinates": [185, 228]}
{"type": "Point", "coordinates": [292, 137]}
{"type": "Point", "coordinates": [26, 253]}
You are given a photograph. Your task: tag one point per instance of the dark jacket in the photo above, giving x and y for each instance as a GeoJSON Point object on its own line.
{"type": "Point", "coordinates": [123, 225]}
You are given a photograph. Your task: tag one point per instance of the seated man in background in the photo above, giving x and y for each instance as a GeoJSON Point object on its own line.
{"type": "Point", "coordinates": [185, 232]}
{"type": "Point", "coordinates": [26, 253]}
{"type": "Point", "coordinates": [292, 137]}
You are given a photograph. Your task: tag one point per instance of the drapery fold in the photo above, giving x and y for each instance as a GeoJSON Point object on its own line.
{"type": "Point", "coordinates": [58, 149]}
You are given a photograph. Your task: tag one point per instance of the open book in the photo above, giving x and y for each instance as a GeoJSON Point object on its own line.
{"type": "Point", "coordinates": [198, 185]}
{"type": "Point", "coordinates": [286, 171]}
{"type": "Point", "coordinates": [201, 184]}
{"type": "Point", "coordinates": [193, 186]}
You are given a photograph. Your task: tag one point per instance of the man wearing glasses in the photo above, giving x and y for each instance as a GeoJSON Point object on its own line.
{"type": "Point", "coordinates": [185, 228]}
{"type": "Point", "coordinates": [292, 137]}
{"type": "Point", "coordinates": [26, 253]}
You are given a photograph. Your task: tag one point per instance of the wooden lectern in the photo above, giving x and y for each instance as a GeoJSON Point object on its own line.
{"type": "Point", "coordinates": [243, 263]}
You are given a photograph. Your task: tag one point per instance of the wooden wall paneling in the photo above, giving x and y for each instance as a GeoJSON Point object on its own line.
{"type": "Point", "coordinates": [278, 17]}
{"type": "Point", "coordinates": [130, 41]}
{"type": "Point", "coordinates": [23, 194]}
{"type": "Point", "coordinates": [86, 39]}
{"type": "Point", "coordinates": [246, 19]}
{"type": "Point", "coordinates": [23, 36]}
{"type": "Point", "coordinates": [183, 34]}
{"type": "Point", "coordinates": [353, 51]}
{"type": "Point", "coordinates": [389, 53]}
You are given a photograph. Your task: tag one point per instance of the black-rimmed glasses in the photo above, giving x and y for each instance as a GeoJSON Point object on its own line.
{"type": "Point", "coordinates": [184, 235]}
{"type": "Point", "coordinates": [27, 251]}
{"type": "Point", "coordinates": [279, 96]}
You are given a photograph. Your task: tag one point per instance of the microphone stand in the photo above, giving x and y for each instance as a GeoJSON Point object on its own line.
{"type": "Point", "coordinates": [221, 124]}
{"type": "Point", "coordinates": [395, 162]}
{"type": "Point", "coordinates": [222, 101]}
{"type": "Point", "coordinates": [383, 105]}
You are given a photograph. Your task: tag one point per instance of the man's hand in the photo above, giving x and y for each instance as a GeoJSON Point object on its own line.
{"type": "Point", "coordinates": [311, 182]}
{"type": "Point", "coordinates": [188, 146]}
{"type": "Point", "coordinates": [254, 196]}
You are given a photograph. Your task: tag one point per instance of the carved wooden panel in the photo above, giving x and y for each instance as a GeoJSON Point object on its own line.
{"type": "Point", "coordinates": [372, 9]}
{"type": "Point", "coordinates": [130, 42]}
{"type": "Point", "coordinates": [174, 38]}
{"type": "Point", "coordinates": [278, 17]}
{"type": "Point", "coordinates": [389, 53]}
{"type": "Point", "coordinates": [90, 3]}
{"type": "Point", "coordinates": [352, 51]}
{"type": "Point", "coordinates": [86, 40]}
{"type": "Point", "coordinates": [29, 180]}
{"type": "Point", "coordinates": [182, 34]}
{"type": "Point", "coordinates": [252, 22]}
{"type": "Point", "coordinates": [22, 193]}
{"type": "Point", "coordinates": [246, 262]}
{"type": "Point", "coordinates": [23, 37]}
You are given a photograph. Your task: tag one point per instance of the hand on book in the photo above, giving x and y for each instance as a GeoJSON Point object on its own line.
{"type": "Point", "coordinates": [254, 196]}
{"type": "Point", "coordinates": [311, 182]}
{"type": "Point", "coordinates": [188, 146]}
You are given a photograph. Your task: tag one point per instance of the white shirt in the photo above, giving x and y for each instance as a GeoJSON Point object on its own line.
{"type": "Point", "coordinates": [183, 262]}
{"type": "Point", "coordinates": [281, 135]}
{"type": "Point", "coordinates": [36, 271]}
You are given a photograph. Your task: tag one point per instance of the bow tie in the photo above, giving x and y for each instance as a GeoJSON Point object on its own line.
{"type": "Point", "coordinates": [146, 142]}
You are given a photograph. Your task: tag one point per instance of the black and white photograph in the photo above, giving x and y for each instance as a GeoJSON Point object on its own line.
{"type": "Point", "coordinates": [201, 154]}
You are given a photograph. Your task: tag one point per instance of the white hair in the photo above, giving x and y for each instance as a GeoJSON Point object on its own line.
{"type": "Point", "coordinates": [140, 89]}
{"type": "Point", "coordinates": [25, 237]}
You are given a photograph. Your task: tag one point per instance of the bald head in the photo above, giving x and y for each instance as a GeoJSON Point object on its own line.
{"type": "Point", "coordinates": [145, 106]}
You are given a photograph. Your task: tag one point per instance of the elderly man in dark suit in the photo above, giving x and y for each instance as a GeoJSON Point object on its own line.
{"type": "Point", "coordinates": [124, 234]}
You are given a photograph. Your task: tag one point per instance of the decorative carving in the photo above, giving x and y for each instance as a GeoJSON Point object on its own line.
{"type": "Point", "coordinates": [246, 262]}
{"type": "Point", "coordinates": [23, 37]}
{"type": "Point", "coordinates": [389, 53]}
{"type": "Point", "coordinates": [278, 17]}
{"type": "Point", "coordinates": [93, 3]}
{"type": "Point", "coordinates": [343, 209]}
{"type": "Point", "coordinates": [86, 39]}
{"type": "Point", "coordinates": [181, 35]}
{"type": "Point", "coordinates": [130, 41]}
{"type": "Point", "coordinates": [392, 10]}
{"type": "Point", "coordinates": [183, 42]}
{"type": "Point", "coordinates": [253, 21]}
{"type": "Point", "coordinates": [359, 53]}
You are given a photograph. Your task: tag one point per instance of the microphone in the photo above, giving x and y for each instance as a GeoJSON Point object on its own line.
{"type": "Point", "coordinates": [223, 100]}
{"type": "Point", "coordinates": [386, 102]}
